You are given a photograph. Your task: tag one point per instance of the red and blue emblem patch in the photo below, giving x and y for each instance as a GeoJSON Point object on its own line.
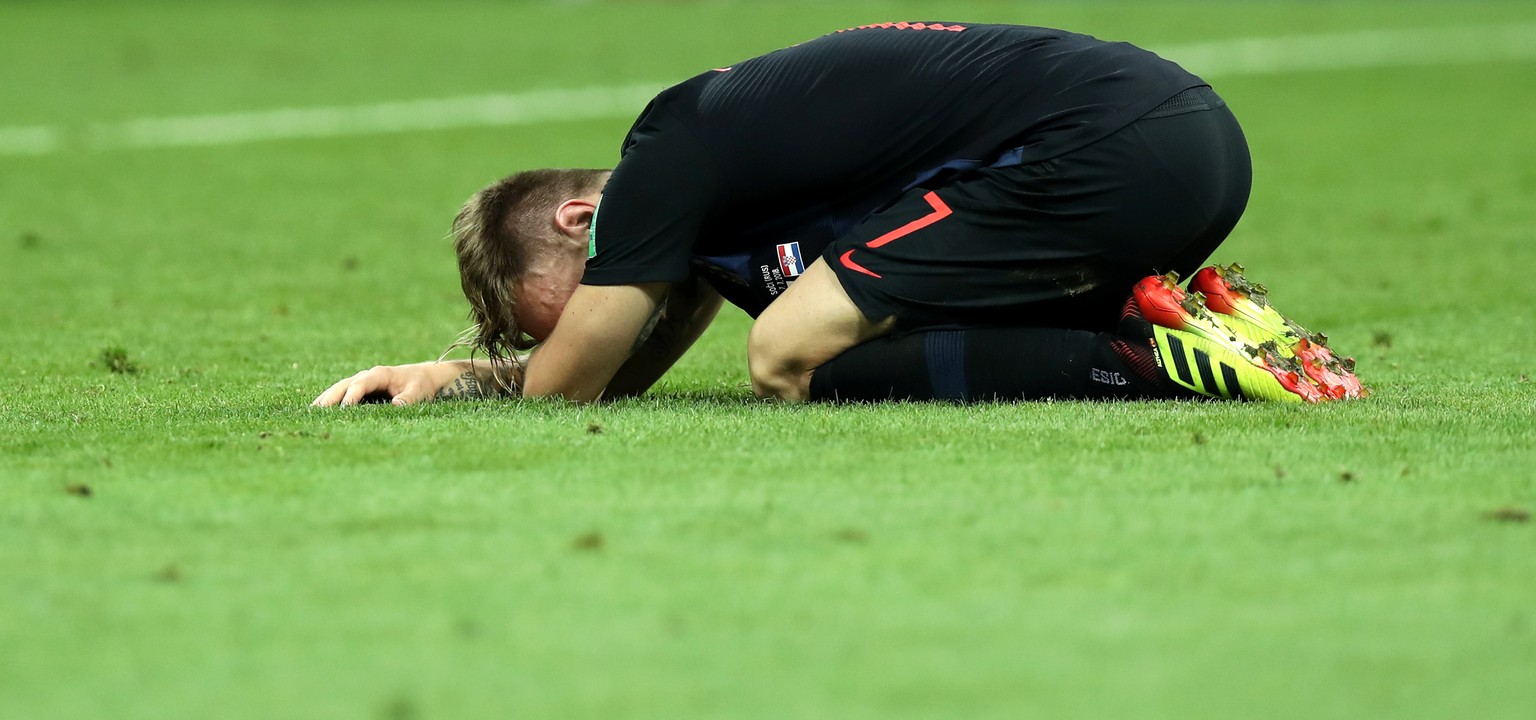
{"type": "Point", "coordinates": [790, 262]}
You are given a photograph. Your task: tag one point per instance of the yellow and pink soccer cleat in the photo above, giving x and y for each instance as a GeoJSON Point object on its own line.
{"type": "Point", "coordinates": [1228, 292]}
{"type": "Point", "coordinates": [1232, 348]}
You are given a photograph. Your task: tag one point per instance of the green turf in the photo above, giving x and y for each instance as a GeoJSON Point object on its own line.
{"type": "Point", "coordinates": [180, 537]}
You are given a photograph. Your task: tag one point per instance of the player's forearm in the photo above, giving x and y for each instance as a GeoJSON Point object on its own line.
{"type": "Point", "coordinates": [479, 379]}
{"type": "Point", "coordinates": [596, 334]}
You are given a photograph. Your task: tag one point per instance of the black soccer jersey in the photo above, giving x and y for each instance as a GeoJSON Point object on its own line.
{"type": "Point", "coordinates": [746, 173]}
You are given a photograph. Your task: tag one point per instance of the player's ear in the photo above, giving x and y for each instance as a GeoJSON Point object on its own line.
{"type": "Point", "coordinates": [573, 217]}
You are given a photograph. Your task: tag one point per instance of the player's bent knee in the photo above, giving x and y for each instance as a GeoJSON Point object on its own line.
{"type": "Point", "coordinates": [775, 373]}
{"type": "Point", "coordinates": [779, 385]}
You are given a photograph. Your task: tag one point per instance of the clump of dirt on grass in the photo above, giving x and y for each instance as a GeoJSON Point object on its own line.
{"type": "Point", "coordinates": [400, 708]}
{"type": "Point", "coordinates": [115, 359]}
{"type": "Point", "coordinates": [1508, 515]}
{"type": "Point", "coordinates": [588, 542]}
{"type": "Point", "coordinates": [851, 535]}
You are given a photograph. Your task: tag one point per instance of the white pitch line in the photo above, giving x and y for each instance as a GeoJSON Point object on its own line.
{"type": "Point", "coordinates": [36, 140]}
{"type": "Point", "coordinates": [1356, 50]}
{"type": "Point", "coordinates": [392, 117]}
{"type": "Point", "coordinates": [1222, 58]}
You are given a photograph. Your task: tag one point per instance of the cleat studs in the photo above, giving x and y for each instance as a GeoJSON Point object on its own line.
{"type": "Point", "coordinates": [1193, 303]}
{"type": "Point", "coordinates": [1297, 329]}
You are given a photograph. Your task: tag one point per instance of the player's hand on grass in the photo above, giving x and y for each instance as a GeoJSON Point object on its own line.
{"type": "Point", "coordinates": [409, 384]}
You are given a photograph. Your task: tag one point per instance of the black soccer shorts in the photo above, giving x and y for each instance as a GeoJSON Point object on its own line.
{"type": "Point", "coordinates": [1057, 243]}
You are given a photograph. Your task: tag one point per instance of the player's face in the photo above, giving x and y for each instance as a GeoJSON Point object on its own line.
{"type": "Point", "coordinates": [543, 293]}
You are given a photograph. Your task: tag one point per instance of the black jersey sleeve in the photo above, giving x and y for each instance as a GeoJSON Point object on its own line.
{"type": "Point", "coordinates": [665, 189]}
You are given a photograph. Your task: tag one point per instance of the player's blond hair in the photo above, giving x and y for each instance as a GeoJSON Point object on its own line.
{"type": "Point", "coordinates": [495, 235]}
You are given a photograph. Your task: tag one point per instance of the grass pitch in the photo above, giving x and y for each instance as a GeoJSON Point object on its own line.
{"type": "Point", "coordinates": [180, 536]}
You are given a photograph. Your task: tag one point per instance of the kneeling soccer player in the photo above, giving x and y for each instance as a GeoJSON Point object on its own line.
{"type": "Point", "coordinates": [909, 210]}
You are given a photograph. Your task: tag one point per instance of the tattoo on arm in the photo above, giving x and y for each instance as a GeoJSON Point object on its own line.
{"type": "Point", "coordinates": [463, 386]}
{"type": "Point", "coordinates": [650, 326]}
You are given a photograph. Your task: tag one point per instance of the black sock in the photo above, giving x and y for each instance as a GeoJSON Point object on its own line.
{"type": "Point", "coordinates": [992, 364]}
